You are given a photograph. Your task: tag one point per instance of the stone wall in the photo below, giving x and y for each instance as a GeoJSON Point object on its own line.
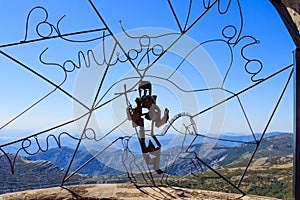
{"type": "Point", "coordinates": [293, 6]}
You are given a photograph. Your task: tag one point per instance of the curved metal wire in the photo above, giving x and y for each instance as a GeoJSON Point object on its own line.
{"type": "Point", "coordinates": [141, 59]}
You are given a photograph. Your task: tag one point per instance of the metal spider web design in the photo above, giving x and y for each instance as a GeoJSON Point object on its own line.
{"type": "Point", "coordinates": [146, 62]}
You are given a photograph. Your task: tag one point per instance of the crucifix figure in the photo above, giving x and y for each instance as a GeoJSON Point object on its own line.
{"type": "Point", "coordinates": [146, 109]}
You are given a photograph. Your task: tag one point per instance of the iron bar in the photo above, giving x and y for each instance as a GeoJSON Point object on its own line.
{"type": "Point", "coordinates": [188, 24]}
{"type": "Point", "coordinates": [296, 174]}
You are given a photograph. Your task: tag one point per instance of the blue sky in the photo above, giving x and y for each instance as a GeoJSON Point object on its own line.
{"type": "Point", "coordinates": [20, 88]}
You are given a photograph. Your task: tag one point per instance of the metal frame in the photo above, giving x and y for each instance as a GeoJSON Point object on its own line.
{"type": "Point", "coordinates": [296, 174]}
{"type": "Point", "coordinates": [293, 31]}
{"type": "Point", "coordinates": [182, 29]}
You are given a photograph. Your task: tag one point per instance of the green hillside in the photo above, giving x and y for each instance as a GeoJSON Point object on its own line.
{"type": "Point", "coordinates": [268, 176]}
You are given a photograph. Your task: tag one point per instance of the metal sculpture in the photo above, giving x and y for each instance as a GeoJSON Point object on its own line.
{"type": "Point", "coordinates": [153, 114]}
{"type": "Point", "coordinates": [142, 60]}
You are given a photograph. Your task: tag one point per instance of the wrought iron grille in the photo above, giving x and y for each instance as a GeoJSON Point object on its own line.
{"type": "Point", "coordinates": [127, 54]}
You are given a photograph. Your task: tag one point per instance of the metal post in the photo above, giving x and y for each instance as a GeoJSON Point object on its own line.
{"type": "Point", "coordinates": [293, 31]}
{"type": "Point", "coordinates": [296, 174]}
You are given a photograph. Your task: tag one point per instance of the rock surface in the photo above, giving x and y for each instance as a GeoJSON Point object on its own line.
{"type": "Point", "coordinates": [122, 191]}
{"type": "Point", "coordinates": [293, 6]}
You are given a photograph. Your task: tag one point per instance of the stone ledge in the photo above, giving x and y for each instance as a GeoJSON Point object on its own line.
{"type": "Point", "coordinates": [122, 191]}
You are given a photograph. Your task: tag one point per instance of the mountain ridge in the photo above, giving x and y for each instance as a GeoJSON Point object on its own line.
{"type": "Point", "coordinates": [217, 155]}
{"type": "Point", "coordinates": [39, 173]}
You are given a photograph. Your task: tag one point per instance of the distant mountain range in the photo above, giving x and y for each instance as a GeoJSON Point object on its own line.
{"type": "Point", "coordinates": [170, 140]}
{"type": "Point", "coordinates": [278, 145]}
{"type": "Point", "coordinates": [30, 174]}
{"type": "Point", "coordinates": [47, 169]}
{"type": "Point", "coordinates": [61, 158]}
{"type": "Point", "coordinates": [181, 162]}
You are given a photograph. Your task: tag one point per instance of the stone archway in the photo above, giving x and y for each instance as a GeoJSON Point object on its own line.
{"type": "Point", "coordinates": [289, 11]}
{"type": "Point", "coordinates": [293, 7]}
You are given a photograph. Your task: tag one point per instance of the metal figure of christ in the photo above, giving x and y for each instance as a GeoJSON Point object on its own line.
{"type": "Point", "coordinates": [146, 101]}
